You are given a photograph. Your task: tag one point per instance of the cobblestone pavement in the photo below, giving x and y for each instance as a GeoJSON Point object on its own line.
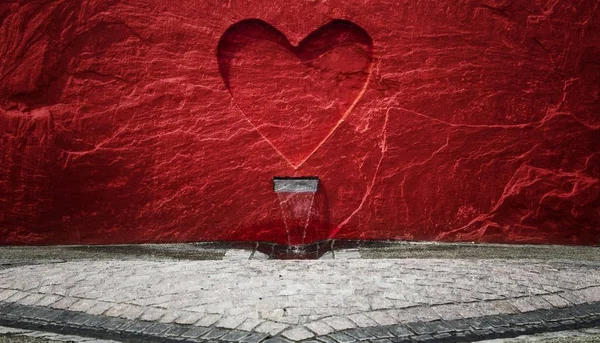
{"type": "Point", "coordinates": [10, 335]}
{"type": "Point", "coordinates": [339, 300]}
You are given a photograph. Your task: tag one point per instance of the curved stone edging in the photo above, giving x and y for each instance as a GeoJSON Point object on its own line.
{"type": "Point", "coordinates": [472, 329]}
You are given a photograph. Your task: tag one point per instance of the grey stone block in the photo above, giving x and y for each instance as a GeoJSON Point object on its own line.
{"type": "Point", "coordinates": [443, 337]}
{"type": "Point", "coordinates": [234, 336]}
{"type": "Point", "coordinates": [483, 333]}
{"type": "Point", "coordinates": [496, 321]}
{"type": "Point", "coordinates": [517, 319]}
{"type": "Point", "coordinates": [215, 333]}
{"type": "Point", "coordinates": [136, 326]}
{"type": "Point", "coordinates": [424, 338]}
{"type": "Point", "coordinates": [255, 337]}
{"type": "Point", "coordinates": [401, 340]}
{"type": "Point", "coordinates": [176, 331]}
{"type": "Point", "coordinates": [501, 330]}
{"type": "Point", "coordinates": [419, 328]}
{"type": "Point", "coordinates": [360, 334]}
{"type": "Point", "coordinates": [578, 312]}
{"type": "Point", "coordinates": [50, 315]}
{"type": "Point", "coordinates": [342, 337]}
{"type": "Point", "coordinates": [439, 326]}
{"type": "Point", "coordinates": [379, 332]}
{"type": "Point", "coordinates": [114, 324]}
{"type": "Point", "coordinates": [156, 329]}
{"type": "Point", "coordinates": [479, 323]}
{"type": "Point", "coordinates": [277, 339]}
{"type": "Point", "coordinates": [326, 339]}
{"type": "Point", "coordinates": [66, 316]}
{"type": "Point", "coordinates": [82, 319]}
{"type": "Point", "coordinates": [35, 312]}
{"type": "Point", "coordinates": [400, 331]}
{"type": "Point", "coordinates": [195, 332]}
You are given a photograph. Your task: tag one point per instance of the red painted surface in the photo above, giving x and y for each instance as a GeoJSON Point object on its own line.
{"type": "Point", "coordinates": [161, 121]}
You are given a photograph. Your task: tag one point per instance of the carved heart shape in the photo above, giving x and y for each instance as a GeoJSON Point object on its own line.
{"type": "Point", "coordinates": [295, 96]}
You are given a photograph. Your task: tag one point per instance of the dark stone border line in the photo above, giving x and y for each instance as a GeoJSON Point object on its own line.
{"type": "Point", "coordinates": [442, 331]}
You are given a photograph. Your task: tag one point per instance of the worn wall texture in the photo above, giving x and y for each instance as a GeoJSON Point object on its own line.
{"type": "Point", "coordinates": [159, 121]}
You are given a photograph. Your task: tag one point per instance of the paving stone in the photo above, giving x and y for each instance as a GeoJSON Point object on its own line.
{"type": "Point", "coordinates": [319, 327]}
{"type": "Point", "coordinates": [249, 324]}
{"type": "Point", "coordinates": [36, 312]}
{"type": "Point", "coordinates": [381, 340]}
{"type": "Point", "coordinates": [556, 300]}
{"type": "Point", "coordinates": [501, 330]}
{"type": "Point", "coordinates": [591, 294]}
{"type": "Point", "coordinates": [360, 334]}
{"type": "Point", "coordinates": [361, 320]}
{"type": "Point", "coordinates": [82, 305]}
{"type": "Point", "coordinates": [277, 340]}
{"type": "Point", "coordinates": [516, 319]}
{"type": "Point", "coordinates": [235, 336]}
{"type": "Point", "coordinates": [326, 339]}
{"type": "Point", "coordinates": [483, 333]}
{"type": "Point", "coordinates": [209, 320]}
{"type": "Point", "coordinates": [98, 309]}
{"type": "Point", "coordinates": [459, 325]}
{"type": "Point", "coordinates": [82, 319]}
{"type": "Point", "coordinates": [152, 314]}
{"type": "Point", "coordinates": [297, 334]}
{"type": "Point", "coordinates": [255, 337]}
{"type": "Point", "coordinates": [31, 299]}
{"type": "Point", "coordinates": [230, 322]}
{"type": "Point", "coordinates": [423, 338]}
{"type": "Point", "coordinates": [339, 323]}
{"type": "Point", "coordinates": [113, 323]}
{"type": "Point", "coordinates": [64, 303]}
{"type": "Point", "coordinates": [379, 332]}
{"type": "Point", "coordinates": [15, 297]}
{"type": "Point", "coordinates": [577, 312]}
{"type": "Point", "coordinates": [342, 337]}
{"type": "Point", "coordinates": [400, 331]}
{"type": "Point", "coordinates": [505, 307]}
{"type": "Point", "coordinates": [440, 326]}
{"type": "Point", "coordinates": [195, 332]}
{"type": "Point", "coordinates": [271, 328]}
{"type": "Point", "coordinates": [382, 318]}
{"type": "Point", "coordinates": [479, 323]}
{"type": "Point", "coordinates": [6, 293]}
{"type": "Point", "coordinates": [448, 312]}
{"type": "Point", "coordinates": [443, 337]}
{"type": "Point", "coordinates": [215, 333]}
{"type": "Point", "coordinates": [188, 318]}
{"type": "Point", "coordinates": [419, 328]}
{"type": "Point", "coordinates": [465, 336]}
{"type": "Point", "coordinates": [169, 317]}
{"type": "Point", "coordinates": [401, 340]}
{"type": "Point", "coordinates": [157, 329]}
{"type": "Point", "coordinates": [137, 326]}
{"type": "Point", "coordinates": [176, 331]}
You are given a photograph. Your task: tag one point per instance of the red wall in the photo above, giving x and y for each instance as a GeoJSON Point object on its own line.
{"type": "Point", "coordinates": [159, 121]}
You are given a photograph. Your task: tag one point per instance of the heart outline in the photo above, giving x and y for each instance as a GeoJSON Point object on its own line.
{"type": "Point", "coordinates": [224, 71]}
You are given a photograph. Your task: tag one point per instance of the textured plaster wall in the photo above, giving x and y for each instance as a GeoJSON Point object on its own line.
{"type": "Point", "coordinates": [159, 121]}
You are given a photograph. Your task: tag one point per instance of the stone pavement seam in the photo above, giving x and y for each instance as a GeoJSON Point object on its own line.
{"type": "Point", "coordinates": [472, 329]}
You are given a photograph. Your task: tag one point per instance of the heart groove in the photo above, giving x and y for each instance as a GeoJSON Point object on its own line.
{"type": "Point", "coordinates": [295, 96]}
